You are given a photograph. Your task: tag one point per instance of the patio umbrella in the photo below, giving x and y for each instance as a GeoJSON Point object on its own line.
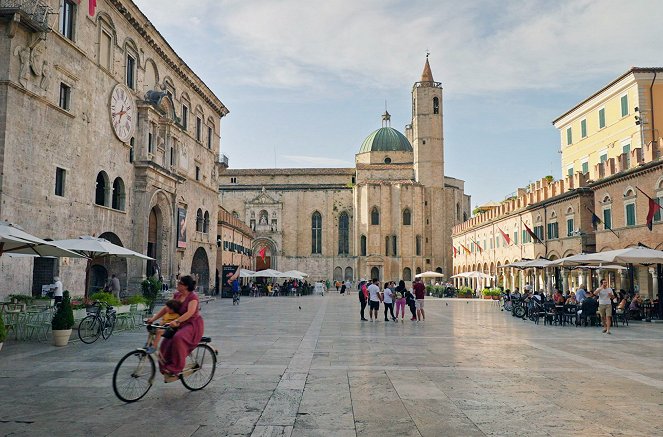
{"type": "Point", "coordinates": [573, 260]}
{"type": "Point", "coordinates": [244, 273]}
{"type": "Point", "coordinates": [630, 255]}
{"type": "Point", "coordinates": [294, 274]}
{"type": "Point", "coordinates": [429, 275]}
{"type": "Point", "coordinates": [14, 240]}
{"type": "Point", "coordinates": [95, 249]}
{"type": "Point", "coordinates": [479, 275]}
{"type": "Point", "coordinates": [267, 273]}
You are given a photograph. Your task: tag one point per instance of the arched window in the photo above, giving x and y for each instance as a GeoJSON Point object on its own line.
{"type": "Point", "coordinates": [344, 234]}
{"type": "Point", "coordinates": [407, 274]}
{"type": "Point", "coordinates": [375, 273]}
{"type": "Point", "coordinates": [363, 245]}
{"type": "Point", "coordinates": [102, 190]}
{"type": "Point", "coordinates": [338, 274]}
{"type": "Point", "coordinates": [417, 245]}
{"type": "Point", "coordinates": [118, 194]}
{"type": "Point", "coordinates": [199, 220]}
{"type": "Point", "coordinates": [418, 270]}
{"type": "Point", "coordinates": [436, 105]}
{"type": "Point", "coordinates": [394, 245]}
{"type": "Point", "coordinates": [407, 217]}
{"type": "Point", "coordinates": [438, 270]}
{"type": "Point", "coordinates": [348, 274]}
{"type": "Point", "coordinates": [316, 233]}
{"type": "Point", "coordinates": [206, 222]}
{"type": "Point", "coordinates": [375, 216]}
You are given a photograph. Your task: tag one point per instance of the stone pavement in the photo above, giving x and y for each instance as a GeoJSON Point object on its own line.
{"type": "Point", "coordinates": [469, 370]}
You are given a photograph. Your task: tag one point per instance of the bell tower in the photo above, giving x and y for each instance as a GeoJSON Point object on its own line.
{"type": "Point", "coordinates": [427, 131]}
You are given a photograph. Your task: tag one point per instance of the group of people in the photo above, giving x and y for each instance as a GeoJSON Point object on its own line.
{"type": "Point", "coordinates": [391, 294]}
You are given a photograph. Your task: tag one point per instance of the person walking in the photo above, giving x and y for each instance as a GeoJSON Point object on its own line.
{"type": "Point", "coordinates": [374, 299]}
{"type": "Point", "coordinates": [400, 300]}
{"type": "Point", "coordinates": [363, 298]}
{"type": "Point", "coordinates": [410, 300]}
{"type": "Point", "coordinates": [605, 295]}
{"type": "Point", "coordinates": [419, 293]}
{"type": "Point", "coordinates": [388, 301]}
{"type": "Point", "coordinates": [115, 286]}
{"type": "Point", "coordinates": [58, 290]}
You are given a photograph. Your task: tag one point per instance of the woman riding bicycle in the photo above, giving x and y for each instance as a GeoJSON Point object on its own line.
{"type": "Point", "coordinates": [190, 330]}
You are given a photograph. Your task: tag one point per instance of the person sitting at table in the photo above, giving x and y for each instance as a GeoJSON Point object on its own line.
{"type": "Point", "coordinates": [621, 304]}
{"type": "Point", "coordinates": [581, 294]}
{"type": "Point", "coordinates": [588, 310]}
{"type": "Point", "coordinates": [571, 299]}
{"type": "Point", "coordinates": [635, 306]}
{"type": "Point", "coordinates": [558, 298]}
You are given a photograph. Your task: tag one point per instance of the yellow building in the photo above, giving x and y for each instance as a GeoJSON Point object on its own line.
{"type": "Point", "coordinates": [613, 122]}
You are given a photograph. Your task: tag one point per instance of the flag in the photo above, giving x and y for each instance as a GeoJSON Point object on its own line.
{"type": "Point", "coordinates": [455, 251]}
{"type": "Point", "coordinates": [596, 220]}
{"type": "Point", "coordinates": [467, 251]}
{"type": "Point", "coordinates": [532, 234]}
{"type": "Point", "coordinates": [653, 207]}
{"type": "Point", "coordinates": [506, 236]}
{"type": "Point", "coordinates": [91, 7]}
{"type": "Point", "coordinates": [261, 253]}
{"type": "Point", "coordinates": [477, 246]}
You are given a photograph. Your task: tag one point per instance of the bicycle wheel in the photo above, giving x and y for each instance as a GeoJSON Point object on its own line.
{"type": "Point", "coordinates": [199, 368]}
{"type": "Point", "coordinates": [133, 376]}
{"type": "Point", "coordinates": [519, 312]}
{"type": "Point", "coordinates": [508, 306]}
{"type": "Point", "coordinates": [89, 329]}
{"type": "Point", "coordinates": [109, 326]}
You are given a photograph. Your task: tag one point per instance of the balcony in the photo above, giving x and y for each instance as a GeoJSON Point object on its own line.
{"type": "Point", "coordinates": [31, 13]}
{"type": "Point", "coordinates": [223, 160]}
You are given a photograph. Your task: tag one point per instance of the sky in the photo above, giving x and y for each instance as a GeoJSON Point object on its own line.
{"type": "Point", "coordinates": [306, 81]}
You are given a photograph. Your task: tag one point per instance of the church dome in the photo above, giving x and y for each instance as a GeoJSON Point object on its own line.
{"type": "Point", "coordinates": [386, 139]}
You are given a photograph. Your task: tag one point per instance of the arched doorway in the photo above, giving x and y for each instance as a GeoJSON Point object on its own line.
{"type": "Point", "coordinates": [375, 273]}
{"type": "Point", "coordinates": [338, 274]}
{"type": "Point", "coordinates": [348, 274]}
{"type": "Point", "coordinates": [160, 239]}
{"type": "Point", "coordinates": [200, 269]}
{"type": "Point", "coordinates": [152, 242]}
{"type": "Point", "coordinates": [268, 261]}
{"type": "Point", "coordinates": [110, 266]}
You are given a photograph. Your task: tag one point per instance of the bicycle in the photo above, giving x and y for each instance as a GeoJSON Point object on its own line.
{"type": "Point", "coordinates": [97, 324]}
{"type": "Point", "coordinates": [134, 373]}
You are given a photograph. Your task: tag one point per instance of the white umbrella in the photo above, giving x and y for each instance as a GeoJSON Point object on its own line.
{"type": "Point", "coordinates": [244, 273]}
{"type": "Point", "coordinates": [429, 275]}
{"type": "Point", "coordinates": [630, 255]}
{"type": "Point", "coordinates": [294, 274]}
{"type": "Point", "coordinates": [479, 275]}
{"type": "Point", "coordinates": [267, 273]}
{"type": "Point", "coordinates": [14, 240]}
{"type": "Point", "coordinates": [573, 260]}
{"type": "Point", "coordinates": [601, 267]}
{"type": "Point", "coordinates": [95, 249]}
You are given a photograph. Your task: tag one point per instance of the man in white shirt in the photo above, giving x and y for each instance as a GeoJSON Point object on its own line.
{"type": "Point", "coordinates": [374, 299]}
{"type": "Point", "coordinates": [605, 295]}
{"type": "Point", "coordinates": [58, 290]}
{"type": "Point", "coordinates": [388, 301]}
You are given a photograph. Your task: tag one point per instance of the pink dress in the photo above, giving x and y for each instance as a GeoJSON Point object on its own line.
{"type": "Point", "coordinates": [175, 350]}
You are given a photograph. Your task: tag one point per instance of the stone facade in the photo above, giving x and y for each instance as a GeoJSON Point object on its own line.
{"type": "Point", "coordinates": [234, 240]}
{"type": "Point", "coordinates": [75, 164]}
{"type": "Point", "coordinates": [389, 217]}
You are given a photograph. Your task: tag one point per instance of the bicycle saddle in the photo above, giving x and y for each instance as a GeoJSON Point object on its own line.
{"type": "Point", "coordinates": [206, 339]}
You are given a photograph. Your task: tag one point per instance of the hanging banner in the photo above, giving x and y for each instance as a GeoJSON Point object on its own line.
{"type": "Point", "coordinates": [181, 228]}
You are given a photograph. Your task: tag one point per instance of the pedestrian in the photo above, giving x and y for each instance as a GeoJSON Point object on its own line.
{"type": "Point", "coordinates": [348, 285]}
{"type": "Point", "coordinates": [374, 299]}
{"type": "Point", "coordinates": [388, 301]}
{"type": "Point", "coordinates": [343, 288]}
{"type": "Point", "coordinates": [337, 284]}
{"type": "Point", "coordinates": [419, 293]}
{"type": "Point", "coordinates": [410, 300]}
{"type": "Point", "coordinates": [58, 291]}
{"type": "Point", "coordinates": [400, 300]}
{"type": "Point", "coordinates": [605, 295]}
{"type": "Point", "coordinates": [115, 286]}
{"type": "Point", "coordinates": [363, 297]}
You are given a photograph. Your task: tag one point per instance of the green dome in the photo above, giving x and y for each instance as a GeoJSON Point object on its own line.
{"type": "Point", "coordinates": [386, 139]}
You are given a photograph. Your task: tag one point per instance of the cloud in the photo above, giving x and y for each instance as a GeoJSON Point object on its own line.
{"type": "Point", "coordinates": [317, 161]}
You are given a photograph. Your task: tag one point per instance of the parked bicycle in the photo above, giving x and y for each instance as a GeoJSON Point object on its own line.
{"type": "Point", "coordinates": [134, 374]}
{"type": "Point", "coordinates": [98, 323]}
{"type": "Point", "coordinates": [518, 307]}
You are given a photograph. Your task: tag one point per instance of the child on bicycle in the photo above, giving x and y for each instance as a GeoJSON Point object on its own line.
{"type": "Point", "coordinates": [172, 312]}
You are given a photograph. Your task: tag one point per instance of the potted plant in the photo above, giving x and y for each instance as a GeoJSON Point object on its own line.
{"type": "Point", "coordinates": [3, 332]}
{"type": "Point", "coordinates": [63, 321]}
{"type": "Point", "coordinates": [150, 288]}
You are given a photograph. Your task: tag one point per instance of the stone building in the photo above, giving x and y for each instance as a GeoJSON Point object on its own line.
{"type": "Point", "coordinates": [104, 131]}
{"type": "Point", "coordinates": [389, 217]}
{"type": "Point", "coordinates": [234, 241]}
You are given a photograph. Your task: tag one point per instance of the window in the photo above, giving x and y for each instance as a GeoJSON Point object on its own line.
{"type": "Point", "coordinates": [172, 157]}
{"type": "Point", "coordinates": [363, 245]}
{"type": "Point", "coordinates": [607, 218]}
{"type": "Point", "coordinates": [206, 222]}
{"type": "Point", "coordinates": [132, 143]}
{"type": "Point", "coordinates": [626, 148]}
{"type": "Point", "coordinates": [65, 96]}
{"type": "Point", "coordinates": [199, 220]}
{"type": "Point", "coordinates": [603, 158]}
{"type": "Point", "coordinates": [407, 274]}
{"type": "Point", "coordinates": [601, 118]}
{"type": "Point", "coordinates": [630, 214]}
{"type": "Point", "coordinates": [569, 227]}
{"type": "Point", "coordinates": [233, 180]}
{"type": "Point", "coordinates": [102, 189]}
{"type": "Point", "coordinates": [131, 72]}
{"type": "Point", "coordinates": [67, 19]}
{"type": "Point", "coordinates": [569, 171]}
{"type": "Point", "coordinates": [553, 231]}
{"type": "Point", "coordinates": [197, 173]}
{"type": "Point", "coordinates": [538, 231]}
{"type": "Point", "coordinates": [515, 237]}
{"type": "Point", "coordinates": [60, 176]}
{"type": "Point", "coordinates": [344, 234]}
{"type": "Point", "coordinates": [569, 136]}
{"type": "Point", "coordinates": [118, 194]}
{"type": "Point", "coordinates": [375, 216]}
{"type": "Point", "coordinates": [407, 217]}
{"type": "Point", "coordinates": [585, 167]}
{"type": "Point", "coordinates": [386, 246]}
{"type": "Point", "coordinates": [436, 105]}
{"type": "Point", "coordinates": [657, 214]}
{"type": "Point", "coordinates": [394, 245]}
{"type": "Point", "coordinates": [105, 49]}
{"type": "Point", "coordinates": [210, 137]}
{"type": "Point", "coordinates": [624, 105]}
{"type": "Point", "coordinates": [387, 160]}
{"type": "Point", "coordinates": [150, 143]}
{"type": "Point", "coordinates": [199, 129]}
{"type": "Point", "coordinates": [185, 116]}
{"type": "Point", "coordinates": [497, 242]}
{"type": "Point", "coordinates": [417, 245]}
{"type": "Point", "coordinates": [316, 233]}
{"type": "Point", "coordinates": [583, 128]}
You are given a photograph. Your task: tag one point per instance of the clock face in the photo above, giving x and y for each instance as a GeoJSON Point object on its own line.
{"type": "Point", "coordinates": [123, 112]}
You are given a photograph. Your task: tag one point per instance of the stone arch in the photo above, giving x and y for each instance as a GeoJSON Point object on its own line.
{"type": "Point", "coordinates": [271, 254]}
{"type": "Point", "coordinates": [375, 216]}
{"type": "Point", "coordinates": [118, 200]}
{"type": "Point", "coordinates": [552, 255]}
{"type": "Point", "coordinates": [375, 273]}
{"type": "Point", "coordinates": [407, 217]}
{"type": "Point", "coordinates": [407, 274]}
{"type": "Point", "coordinates": [568, 253]}
{"type": "Point", "coordinates": [418, 270]}
{"type": "Point", "coordinates": [349, 274]}
{"type": "Point", "coordinates": [151, 76]}
{"type": "Point", "coordinates": [200, 269]}
{"type": "Point", "coordinates": [338, 273]}
{"type": "Point", "coordinates": [102, 189]}
{"type": "Point", "coordinates": [630, 192]}
{"type": "Point", "coordinates": [438, 270]}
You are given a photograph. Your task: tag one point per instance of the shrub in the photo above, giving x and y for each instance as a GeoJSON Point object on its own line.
{"type": "Point", "coordinates": [465, 292]}
{"type": "Point", "coordinates": [64, 316]}
{"type": "Point", "coordinates": [104, 297]}
{"type": "Point", "coordinates": [150, 288]}
{"type": "Point", "coordinates": [135, 299]}
{"type": "Point", "coordinates": [491, 292]}
{"type": "Point", "coordinates": [21, 298]}
{"type": "Point", "coordinates": [3, 331]}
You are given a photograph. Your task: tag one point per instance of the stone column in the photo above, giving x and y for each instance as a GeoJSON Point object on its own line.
{"type": "Point", "coordinates": [565, 280]}
{"type": "Point", "coordinates": [654, 282]}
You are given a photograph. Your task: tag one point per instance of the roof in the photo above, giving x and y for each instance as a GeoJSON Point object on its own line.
{"type": "Point", "coordinates": [385, 139]}
{"type": "Point", "coordinates": [287, 171]}
{"type": "Point", "coordinates": [631, 71]}
{"type": "Point", "coordinates": [427, 74]}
